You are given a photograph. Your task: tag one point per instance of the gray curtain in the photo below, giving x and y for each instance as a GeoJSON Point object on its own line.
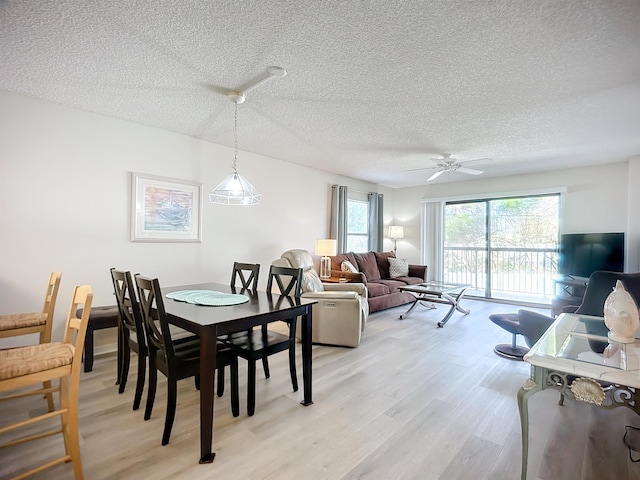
{"type": "Point", "coordinates": [432, 239]}
{"type": "Point", "coordinates": [376, 224]}
{"type": "Point", "coordinates": [338, 220]}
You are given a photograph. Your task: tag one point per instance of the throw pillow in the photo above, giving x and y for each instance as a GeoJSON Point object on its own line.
{"type": "Point", "coordinates": [347, 266]}
{"type": "Point", "coordinates": [368, 265]}
{"type": "Point", "coordinates": [398, 267]}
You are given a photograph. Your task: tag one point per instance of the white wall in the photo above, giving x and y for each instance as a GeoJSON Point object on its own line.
{"type": "Point", "coordinates": [64, 205]}
{"type": "Point", "coordinates": [597, 199]}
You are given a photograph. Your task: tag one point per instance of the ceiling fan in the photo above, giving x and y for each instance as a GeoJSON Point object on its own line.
{"type": "Point", "coordinates": [449, 164]}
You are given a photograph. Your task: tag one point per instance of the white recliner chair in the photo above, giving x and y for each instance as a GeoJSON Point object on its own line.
{"type": "Point", "coordinates": [341, 313]}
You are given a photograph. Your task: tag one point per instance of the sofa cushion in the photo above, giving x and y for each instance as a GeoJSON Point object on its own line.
{"type": "Point", "coordinates": [383, 262]}
{"type": "Point", "coordinates": [376, 289]}
{"type": "Point", "coordinates": [410, 280]}
{"type": "Point", "coordinates": [398, 267]}
{"type": "Point", "coordinates": [337, 260]}
{"type": "Point", "coordinates": [392, 285]}
{"type": "Point", "coordinates": [368, 265]}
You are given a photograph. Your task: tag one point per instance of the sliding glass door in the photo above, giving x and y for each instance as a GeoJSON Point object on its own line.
{"type": "Point", "coordinates": [504, 247]}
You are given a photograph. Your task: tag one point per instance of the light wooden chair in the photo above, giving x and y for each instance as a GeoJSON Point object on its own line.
{"type": "Point", "coordinates": [16, 324]}
{"type": "Point", "coordinates": [23, 367]}
{"type": "Point", "coordinates": [34, 322]}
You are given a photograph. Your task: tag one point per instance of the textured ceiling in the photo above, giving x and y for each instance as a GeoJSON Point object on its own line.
{"type": "Point", "coordinates": [373, 87]}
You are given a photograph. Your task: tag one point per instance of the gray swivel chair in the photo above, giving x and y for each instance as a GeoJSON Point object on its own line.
{"type": "Point", "coordinates": [531, 325]}
{"type": "Point", "coordinates": [511, 323]}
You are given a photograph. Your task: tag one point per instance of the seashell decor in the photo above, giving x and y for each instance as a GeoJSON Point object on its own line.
{"type": "Point", "coordinates": [588, 390]}
{"type": "Point", "coordinates": [621, 315]}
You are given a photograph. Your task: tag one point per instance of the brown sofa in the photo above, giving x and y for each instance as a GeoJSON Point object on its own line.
{"type": "Point", "coordinates": [373, 271]}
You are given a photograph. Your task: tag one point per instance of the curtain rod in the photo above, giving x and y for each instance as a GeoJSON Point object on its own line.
{"type": "Point", "coordinates": [357, 191]}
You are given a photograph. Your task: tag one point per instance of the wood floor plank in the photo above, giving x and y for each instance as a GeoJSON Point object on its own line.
{"type": "Point", "coordinates": [412, 402]}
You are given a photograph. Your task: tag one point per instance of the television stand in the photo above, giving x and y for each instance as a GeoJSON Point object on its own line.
{"type": "Point", "coordinates": [569, 291]}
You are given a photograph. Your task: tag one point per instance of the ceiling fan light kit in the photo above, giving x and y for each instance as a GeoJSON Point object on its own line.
{"type": "Point", "coordinates": [236, 189]}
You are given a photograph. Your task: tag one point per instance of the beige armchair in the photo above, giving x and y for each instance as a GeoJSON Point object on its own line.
{"type": "Point", "coordinates": [341, 313]}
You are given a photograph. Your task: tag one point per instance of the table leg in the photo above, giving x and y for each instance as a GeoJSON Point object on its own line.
{"type": "Point", "coordinates": [306, 321]}
{"type": "Point", "coordinates": [528, 389]}
{"type": "Point", "coordinates": [447, 316]}
{"type": "Point", "coordinates": [455, 305]}
{"type": "Point", "coordinates": [417, 300]}
{"type": "Point", "coordinates": [208, 351]}
{"type": "Point", "coordinates": [411, 308]}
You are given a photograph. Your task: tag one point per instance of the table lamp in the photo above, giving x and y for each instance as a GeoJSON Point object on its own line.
{"type": "Point", "coordinates": [327, 248]}
{"type": "Point", "coordinates": [395, 232]}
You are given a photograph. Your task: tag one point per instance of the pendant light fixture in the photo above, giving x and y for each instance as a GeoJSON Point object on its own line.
{"type": "Point", "coordinates": [236, 189]}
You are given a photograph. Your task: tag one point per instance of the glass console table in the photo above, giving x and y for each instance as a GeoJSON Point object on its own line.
{"type": "Point", "coordinates": [575, 357]}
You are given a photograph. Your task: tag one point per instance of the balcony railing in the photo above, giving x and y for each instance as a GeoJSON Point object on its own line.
{"type": "Point", "coordinates": [513, 270]}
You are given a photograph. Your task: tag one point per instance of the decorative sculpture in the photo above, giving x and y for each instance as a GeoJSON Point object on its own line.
{"type": "Point", "coordinates": [588, 390]}
{"type": "Point", "coordinates": [621, 315]}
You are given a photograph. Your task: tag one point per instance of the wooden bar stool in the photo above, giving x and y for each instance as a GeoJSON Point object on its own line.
{"type": "Point", "coordinates": [13, 325]}
{"type": "Point", "coordinates": [23, 367]}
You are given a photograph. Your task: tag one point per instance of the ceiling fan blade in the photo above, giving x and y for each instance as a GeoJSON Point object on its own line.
{"type": "Point", "coordinates": [470, 171]}
{"type": "Point", "coordinates": [421, 168]}
{"type": "Point", "coordinates": [272, 72]}
{"type": "Point", "coordinates": [476, 160]}
{"type": "Point", "coordinates": [216, 88]}
{"type": "Point", "coordinates": [435, 175]}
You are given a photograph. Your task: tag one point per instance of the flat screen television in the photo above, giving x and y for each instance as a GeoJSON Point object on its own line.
{"type": "Point", "coordinates": [581, 254]}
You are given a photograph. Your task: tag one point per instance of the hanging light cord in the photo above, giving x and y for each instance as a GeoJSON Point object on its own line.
{"type": "Point", "coordinates": [235, 140]}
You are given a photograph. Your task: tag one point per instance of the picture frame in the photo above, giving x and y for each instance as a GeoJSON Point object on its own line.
{"type": "Point", "coordinates": [165, 209]}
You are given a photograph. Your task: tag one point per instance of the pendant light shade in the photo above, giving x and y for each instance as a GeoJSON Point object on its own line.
{"type": "Point", "coordinates": [235, 190]}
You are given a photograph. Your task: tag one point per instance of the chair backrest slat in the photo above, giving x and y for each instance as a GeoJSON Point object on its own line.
{"type": "Point", "coordinates": [153, 313]}
{"type": "Point", "coordinates": [77, 327]}
{"type": "Point", "coordinates": [248, 274]}
{"type": "Point", "coordinates": [128, 305]}
{"type": "Point", "coordinates": [289, 280]}
{"type": "Point", "coordinates": [50, 304]}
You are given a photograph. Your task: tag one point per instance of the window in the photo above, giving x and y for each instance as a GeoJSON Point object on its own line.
{"type": "Point", "coordinates": [357, 226]}
{"type": "Point", "coordinates": [503, 246]}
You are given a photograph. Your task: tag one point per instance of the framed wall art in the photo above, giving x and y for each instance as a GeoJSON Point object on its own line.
{"type": "Point", "coordinates": [165, 209]}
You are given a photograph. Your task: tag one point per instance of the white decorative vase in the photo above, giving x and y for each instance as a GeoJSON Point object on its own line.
{"type": "Point", "coordinates": [621, 315]}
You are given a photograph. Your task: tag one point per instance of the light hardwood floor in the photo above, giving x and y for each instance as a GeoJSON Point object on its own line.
{"type": "Point", "coordinates": [412, 402]}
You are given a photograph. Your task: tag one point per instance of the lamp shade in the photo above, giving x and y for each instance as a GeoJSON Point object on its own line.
{"type": "Point", "coordinates": [235, 190]}
{"type": "Point", "coordinates": [396, 231]}
{"type": "Point", "coordinates": [326, 247]}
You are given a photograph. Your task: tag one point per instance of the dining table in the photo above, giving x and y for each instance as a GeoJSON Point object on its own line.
{"type": "Point", "coordinates": [209, 322]}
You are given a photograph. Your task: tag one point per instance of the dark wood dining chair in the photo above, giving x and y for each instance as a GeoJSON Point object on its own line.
{"type": "Point", "coordinates": [247, 273]}
{"type": "Point", "coordinates": [176, 359]}
{"type": "Point", "coordinates": [260, 343]}
{"type": "Point", "coordinates": [130, 331]}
